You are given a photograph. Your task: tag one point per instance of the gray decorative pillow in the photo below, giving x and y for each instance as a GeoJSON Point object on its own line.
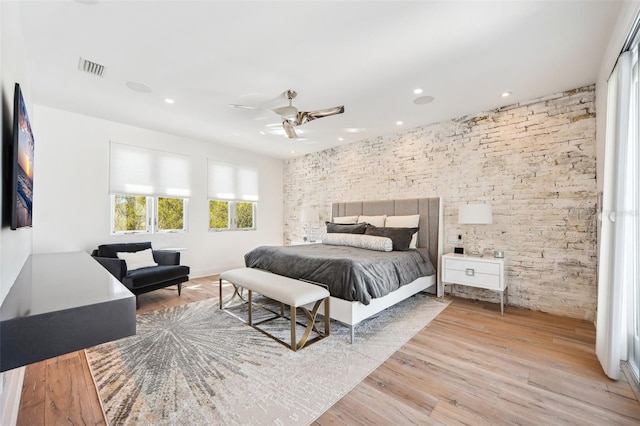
{"type": "Point", "coordinates": [368, 242]}
{"type": "Point", "coordinates": [401, 237]}
{"type": "Point", "coordinates": [339, 228]}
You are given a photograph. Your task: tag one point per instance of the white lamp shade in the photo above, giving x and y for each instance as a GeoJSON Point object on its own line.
{"type": "Point", "coordinates": [475, 214]}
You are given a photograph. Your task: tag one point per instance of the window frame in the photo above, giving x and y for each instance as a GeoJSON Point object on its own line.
{"type": "Point", "coordinates": [151, 219]}
{"type": "Point", "coordinates": [156, 216]}
{"type": "Point", "coordinates": [232, 206]}
{"type": "Point", "coordinates": [113, 215]}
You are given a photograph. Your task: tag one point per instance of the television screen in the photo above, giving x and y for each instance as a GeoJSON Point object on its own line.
{"type": "Point", "coordinates": [22, 185]}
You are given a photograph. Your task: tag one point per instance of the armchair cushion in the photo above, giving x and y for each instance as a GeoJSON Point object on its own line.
{"type": "Point", "coordinates": [144, 277]}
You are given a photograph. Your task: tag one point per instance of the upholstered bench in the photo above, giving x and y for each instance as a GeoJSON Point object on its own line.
{"type": "Point", "coordinates": [287, 291]}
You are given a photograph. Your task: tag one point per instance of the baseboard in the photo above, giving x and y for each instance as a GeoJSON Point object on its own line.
{"type": "Point", "coordinates": [633, 382]}
{"type": "Point", "coordinates": [10, 397]}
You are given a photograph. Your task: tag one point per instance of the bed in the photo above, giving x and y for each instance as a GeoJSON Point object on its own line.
{"type": "Point", "coordinates": [357, 296]}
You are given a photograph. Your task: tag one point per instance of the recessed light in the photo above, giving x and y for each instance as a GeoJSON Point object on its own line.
{"type": "Point", "coordinates": [505, 94]}
{"type": "Point", "coordinates": [399, 123]}
{"type": "Point", "coordinates": [262, 132]}
{"type": "Point", "coordinates": [423, 100]}
{"type": "Point", "coordinates": [293, 152]}
{"type": "Point", "coordinates": [417, 91]}
{"type": "Point", "coordinates": [170, 101]}
{"type": "Point", "coordinates": [354, 130]}
{"type": "Point", "coordinates": [340, 139]}
{"type": "Point", "coordinates": [138, 87]}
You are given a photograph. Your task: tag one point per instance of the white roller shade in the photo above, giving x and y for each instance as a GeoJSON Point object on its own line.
{"type": "Point", "coordinates": [247, 183]}
{"type": "Point", "coordinates": [232, 182]}
{"type": "Point", "coordinates": [142, 171]}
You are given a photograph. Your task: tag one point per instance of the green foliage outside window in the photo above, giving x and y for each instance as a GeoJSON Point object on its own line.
{"type": "Point", "coordinates": [130, 213]}
{"type": "Point", "coordinates": [218, 214]}
{"type": "Point", "coordinates": [244, 215]}
{"type": "Point", "coordinates": [170, 214]}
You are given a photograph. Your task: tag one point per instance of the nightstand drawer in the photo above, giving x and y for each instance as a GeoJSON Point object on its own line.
{"type": "Point", "coordinates": [477, 266]}
{"type": "Point", "coordinates": [472, 277]}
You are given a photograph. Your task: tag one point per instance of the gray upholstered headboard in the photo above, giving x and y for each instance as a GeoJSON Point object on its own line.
{"type": "Point", "coordinates": [429, 209]}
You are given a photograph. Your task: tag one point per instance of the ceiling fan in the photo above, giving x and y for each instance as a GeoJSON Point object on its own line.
{"type": "Point", "coordinates": [291, 117]}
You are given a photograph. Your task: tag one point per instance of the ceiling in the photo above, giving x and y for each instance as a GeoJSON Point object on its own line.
{"type": "Point", "coordinates": [367, 56]}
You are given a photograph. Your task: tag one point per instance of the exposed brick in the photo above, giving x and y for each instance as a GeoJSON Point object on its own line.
{"type": "Point", "coordinates": [533, 161]}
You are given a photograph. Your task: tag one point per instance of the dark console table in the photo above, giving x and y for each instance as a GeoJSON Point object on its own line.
{"type": "Point", "coordinates": [60, 303]}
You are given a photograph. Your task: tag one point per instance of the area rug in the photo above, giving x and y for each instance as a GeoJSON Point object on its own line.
{"type": "Point", "coordinates": [197, 365]}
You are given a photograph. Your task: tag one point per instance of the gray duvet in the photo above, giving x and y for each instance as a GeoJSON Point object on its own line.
{"type": "Point", "coordinates": [351, 273]}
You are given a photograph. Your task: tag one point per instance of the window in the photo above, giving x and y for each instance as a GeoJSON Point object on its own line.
{"type": "Point", "coordinates": [245, 212]}
{"type": "Point", "coordinates": [233, 193]}
{"type": "Point", "coordinates": [219, 217]}
{"type": "Point", "coordinates": [228, 215]}
{"type": "Point", "coordinates": [171, 214]}
{"type": "Point", "coordinates": [149, 190]}
{"type": "Point", "coordinates": [134, 214]}
{"type": "Point", "coordinates": [130, 214]}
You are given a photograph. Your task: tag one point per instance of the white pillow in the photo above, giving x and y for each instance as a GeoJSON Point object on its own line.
{"type": "Point", "coordinates": [345, 220]}
{"type": "Point", "coordinates": [410, 221]}
{"type": "Point", "coordinates": [138, 259]}
{"type": "Point", "coordinates": [373, 220]}
{"type": "Point", "coordinates": [369, 242]}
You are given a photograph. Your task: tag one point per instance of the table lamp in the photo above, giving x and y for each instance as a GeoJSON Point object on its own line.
{"type": "Point", "coordinates": [475, 214]}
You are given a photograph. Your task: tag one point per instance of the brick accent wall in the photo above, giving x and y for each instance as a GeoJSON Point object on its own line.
{"type": "Point", "coordinates": [534, 162]}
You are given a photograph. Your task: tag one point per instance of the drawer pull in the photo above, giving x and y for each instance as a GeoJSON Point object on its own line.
{"type": "Point", "coordinates": [470, 272]}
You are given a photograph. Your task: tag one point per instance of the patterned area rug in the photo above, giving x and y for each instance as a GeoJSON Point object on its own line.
{"type": "Point", "coordinates": [197, 365]}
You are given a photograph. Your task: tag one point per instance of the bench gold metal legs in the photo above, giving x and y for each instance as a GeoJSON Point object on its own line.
{"type": "Point", "coordinates": [237, 291]}
{"type": "Point", "coordinates": [310, 326]}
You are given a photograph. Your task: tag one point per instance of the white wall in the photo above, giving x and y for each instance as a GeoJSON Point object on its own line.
{"type": "Point", "coordinates": [72, 202]}
{"type": "Point", "coordinates": [15, 246]}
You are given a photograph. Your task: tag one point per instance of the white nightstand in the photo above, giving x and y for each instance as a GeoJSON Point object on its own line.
{"type": "Point", "coordinates": [480, 272]}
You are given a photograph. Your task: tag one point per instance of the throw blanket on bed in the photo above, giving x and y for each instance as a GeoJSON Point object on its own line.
{"type": "Point", "coordinates": [351, 273]}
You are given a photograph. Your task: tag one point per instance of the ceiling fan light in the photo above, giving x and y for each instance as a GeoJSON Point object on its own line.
{"type": "Point", "coordinates": [288, 129]}
{"type": "Point", "coordinates": [289, 112]}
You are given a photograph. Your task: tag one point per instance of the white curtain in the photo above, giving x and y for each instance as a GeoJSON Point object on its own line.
{"type": "Point", "coordinates": [617, 279]}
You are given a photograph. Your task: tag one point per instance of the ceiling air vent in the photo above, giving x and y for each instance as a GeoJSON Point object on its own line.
{"type": "Point", "coordinates": [91, 67]}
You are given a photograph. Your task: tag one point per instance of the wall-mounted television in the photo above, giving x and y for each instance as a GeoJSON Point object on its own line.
{"type": "Point", "coordinates": [22, 165]}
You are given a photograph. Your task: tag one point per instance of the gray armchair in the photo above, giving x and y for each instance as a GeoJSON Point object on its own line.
{"type": "Point", "coordinates": [143, 280]}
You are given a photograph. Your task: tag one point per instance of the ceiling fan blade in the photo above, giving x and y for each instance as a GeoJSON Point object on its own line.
{"type": "Point", "coordinates": [240, 106]}
{"type": "Point", "coordinates": [288, 129]}
{"type": "Point", "coordinates": [305, 116]}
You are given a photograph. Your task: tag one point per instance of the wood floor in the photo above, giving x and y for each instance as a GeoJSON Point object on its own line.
{"type": "Point", "coordinates": [469, 366]}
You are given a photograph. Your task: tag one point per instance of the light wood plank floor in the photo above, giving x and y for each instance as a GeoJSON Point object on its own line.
{"type": "Point", "coordinates": [469, 366]}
